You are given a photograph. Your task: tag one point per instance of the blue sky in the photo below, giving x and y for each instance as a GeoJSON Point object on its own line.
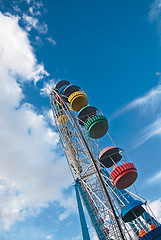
{"type": "Point", "coordinates": [112, 49]}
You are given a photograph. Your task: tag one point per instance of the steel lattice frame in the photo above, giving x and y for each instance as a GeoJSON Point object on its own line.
{"type": "Point", "coordinates": [82, 156]}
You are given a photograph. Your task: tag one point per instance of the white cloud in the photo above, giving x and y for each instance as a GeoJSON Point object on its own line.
{"type": "Point", "coordinates": [38, 41]}
{"type": "Point", "coordinates": [38, 8]}
{"type": "Point", "coordinates": [156, 208]}
{"type": "Point", "coordinates": [158, 73]}
{"type": "Point", "coordinates": [32, 174]}
{"type": "Point", "coordinates": [69, 223]}
{"type": "Point", "coordinates": [93, 234]}
{"type": "Point", "coordinates": [154, 129]}
{"type": "Point", "coordinates": [156, 178]}
{"type": "Point", "coordinates": [39, 73]}
{"type": "Point", "coordinates": [30, 17]}
{"type": "Point", "coordinates": [149, 102]}
{"type": "Point", "coordinates": [70, 206]}
{"type": "Point", "coordinates": [95, 237]}
{"type": "Point", "coordinates": [33, 22]}
{"type": "Point", "coordinates": [31, 10]}
{"type": "Point", "coordinates": [16, 53]}
{"type": "Point", "coordinates": [36, 3]}
{"type": "Point", "coordinates": [49, 237]}
{"type": "Point", "coordinates": [34, 7]}
{"type": "Point", "coordinates": [51, 40]}
{"type": "Point", "coordinates": [154, 13]}
{"type": "Point", "coordinates": [49, 117]}
{"type": "Point", "coordinates": [76, 238]}
{"type": "Point", "coordinates": [48, 86]}
{"type": "Point", "coordinates": [149, 105]}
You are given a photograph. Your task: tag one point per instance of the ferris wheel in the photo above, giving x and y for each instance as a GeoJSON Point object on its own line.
{"type": "Point", "coordinates": [101, 177]}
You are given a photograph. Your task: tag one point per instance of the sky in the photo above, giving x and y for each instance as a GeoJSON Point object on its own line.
{"type": "Point", "coordinates": [112, 50]}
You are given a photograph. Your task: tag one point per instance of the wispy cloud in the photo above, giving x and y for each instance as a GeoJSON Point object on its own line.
{"type": "Point", "coordinates": [49, 237]}
{"type": "Point", "coordinates": [155, 11]}
{"type": "Point", "coordinates": [48, 86]}
{"type": "Point", "coordinates": [76, 238]}
{"type": "Point", "coordinates": [149, 102]}
{"type": "Point", "coordinates": [155, 15]}
{"type": "Point", "coordinates": [31, 18]}
{"type": "Point", "coordinates": [51, 40]}
{"type": "Point", "coordinates": [152, 130]}
{"type": "Point", "coordinates": [155, 179]}
{"type": "Point", "coordinates": [38, 41]}
{"type": "Point", "coordinates": [36, 7]}
{"type": "Point", "coordinates": [33, 22]}
{"type": "Point", "coordinates": [148, 105]}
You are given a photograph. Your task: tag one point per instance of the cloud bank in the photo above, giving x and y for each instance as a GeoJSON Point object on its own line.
{"type": "Point", "coordinates": [32, 173]}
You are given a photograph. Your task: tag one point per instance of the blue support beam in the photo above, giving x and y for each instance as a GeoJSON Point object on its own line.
{"type": "Point", "coordinates": [85, 232]}
{"type": "Point", "coordinates": [91, 211]}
